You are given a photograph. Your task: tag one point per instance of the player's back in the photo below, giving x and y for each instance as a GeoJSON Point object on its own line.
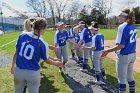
{"type": "Point", "coordinates": [86, 35]}
{"type": "Point", "coordinates": [99, 42]}
{"type": "Point", "coordinates": [129, 39]}
{"type": "Point", "coordinates": [30, 51]}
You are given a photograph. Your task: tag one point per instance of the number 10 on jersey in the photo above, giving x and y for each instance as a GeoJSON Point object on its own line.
{"type": "Point", "coordinates": [26, 49]}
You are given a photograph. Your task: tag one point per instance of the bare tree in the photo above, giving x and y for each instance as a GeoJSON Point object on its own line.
{"type": "Point", "coordinates": [38, 7]}
{"type": "Point", "coordinates": [73, 11]}
{"type": "Point", "coordinates": [52, 9]}
{"type": "Point", "coordinates": [104, 6]}
{"type": "Point", "coordinates": [60, 7]}
{"type": "Point", "coordinates": [131, 3]}
{"type": "Point", "coordinates": [109, 9]}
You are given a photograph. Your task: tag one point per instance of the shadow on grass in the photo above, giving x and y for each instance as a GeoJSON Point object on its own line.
{"type": "Point", "coordinates": [47, 85]}
{"type": "Point", "coordinates": [42, 65]}
{"type": "Point", "coordinates": [111, 84]}
{"type": "Point", "coordinates": [112, 80]}
{"type": "Point", "coordinates": [76, 87]}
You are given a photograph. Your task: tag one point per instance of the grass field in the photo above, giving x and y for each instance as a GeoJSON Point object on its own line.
{"type": "Point", "coordinates": [110, 34]}
{"type": "Point", "coordinates": [53, 81]}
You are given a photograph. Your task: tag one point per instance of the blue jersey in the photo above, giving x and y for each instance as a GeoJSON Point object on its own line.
{"type": "Point", "coordinates": [29, 54]}
{"type": "Point", "coordinates": [127, 36]}
{"type": "Point", "coordinates": [85, 36]}
{"type": "Point", "coordinates": [98, 42]}
{"type": "Point", "coordinates": [77, 38]}
{"type": "Point", "coordinates": [61, 38]}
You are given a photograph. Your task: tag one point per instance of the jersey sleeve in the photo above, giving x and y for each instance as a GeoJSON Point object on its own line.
{"type": "Point", "coordinates": [81, 35]}
{"type": "Point", "coordinates": [71, 32]}
{"type": "Point", "coordinates": [67, 36]}
{"type": "Point", "coordinates": [18, 41]}
{"type": "Point", "coordinates": [121, 39]}
{"type": "Point", "coordinates": [93, 41]}
{"type": "Point", "coordinates": [55, 38]}
{"type": "Point", "coordinates": [44, 51]}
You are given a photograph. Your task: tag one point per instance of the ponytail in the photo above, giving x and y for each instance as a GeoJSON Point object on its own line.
{"type": "Point", "coordinates": [131, 16]}
{"type": "Point", "coordinates": [38, 25]}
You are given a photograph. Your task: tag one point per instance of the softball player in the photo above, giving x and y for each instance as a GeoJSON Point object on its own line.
{"type": "Point", "coordinates": [97, 47]}
{"type": "Point", "coordinates": [27, 28]}
{"type": "Point", "coordinates": [79, 52]}
{"type": "Point", "coordinates": [71, 36]}
{"type": "Point", "coordinates": [85, 37]}
{"type": "Point", "coordinates": [126, 50]}
{"type": "Point", "coordinates": [60, 38]}
{"type": "Point", "coordinates": [30, 48]}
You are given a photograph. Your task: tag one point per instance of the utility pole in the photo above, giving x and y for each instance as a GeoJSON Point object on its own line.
{"type": "Point", "coordinates": [2, 19]}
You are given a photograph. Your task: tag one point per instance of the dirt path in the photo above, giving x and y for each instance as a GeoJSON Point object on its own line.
{"type": "Point", "coordinates": [5, 59]}
{"type": "Point", "coordinates": [81, 82]}
{"type": "Point", "coordinates": [112, 55]}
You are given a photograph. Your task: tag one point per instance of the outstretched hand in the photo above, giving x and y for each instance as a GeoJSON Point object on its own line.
{"type": "Point", "coordinates": [59, 64]}
{"type": "Point", "coordinates": [76, 45]}
{"type": "Point", "coordinates": [104, 54]}
{"type": "Point", "coordinates": [82, 48]}
{"type": "Point", "coordinates": [53, 48]}
{"type": "Point", "coordinates": [56, 59]}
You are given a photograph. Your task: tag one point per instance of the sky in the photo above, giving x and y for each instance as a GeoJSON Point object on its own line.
{"type": "Point", "coordinates": [20, 5]}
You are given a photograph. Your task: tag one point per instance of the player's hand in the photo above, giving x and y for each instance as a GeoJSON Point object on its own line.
{"type": "Point", "coordinates": [12, 70]}
{"type": "Point", "coordinates": [56, 59]}
{"type": "Point", "coordinates": [74, 46]}
{"type": "Point", "coordinates": [55, 49]}
{"type": "Point", "coordinates": [82, 48]}
{"type": "Point", "coordinates": [104, 54]}
{"type": "Point", "coordinates": [59, 64]}
{"type": "Point", "coordinates": [77, 45]}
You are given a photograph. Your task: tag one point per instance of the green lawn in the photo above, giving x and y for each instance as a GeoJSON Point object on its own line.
{"type": "Point", "coordinates": [53, 81]}
{"type": "Point", "coordinates": [110, 34]}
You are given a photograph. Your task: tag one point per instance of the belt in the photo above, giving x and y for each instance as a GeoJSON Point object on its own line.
{"type": "Point", "coordinates": [124, 54]}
